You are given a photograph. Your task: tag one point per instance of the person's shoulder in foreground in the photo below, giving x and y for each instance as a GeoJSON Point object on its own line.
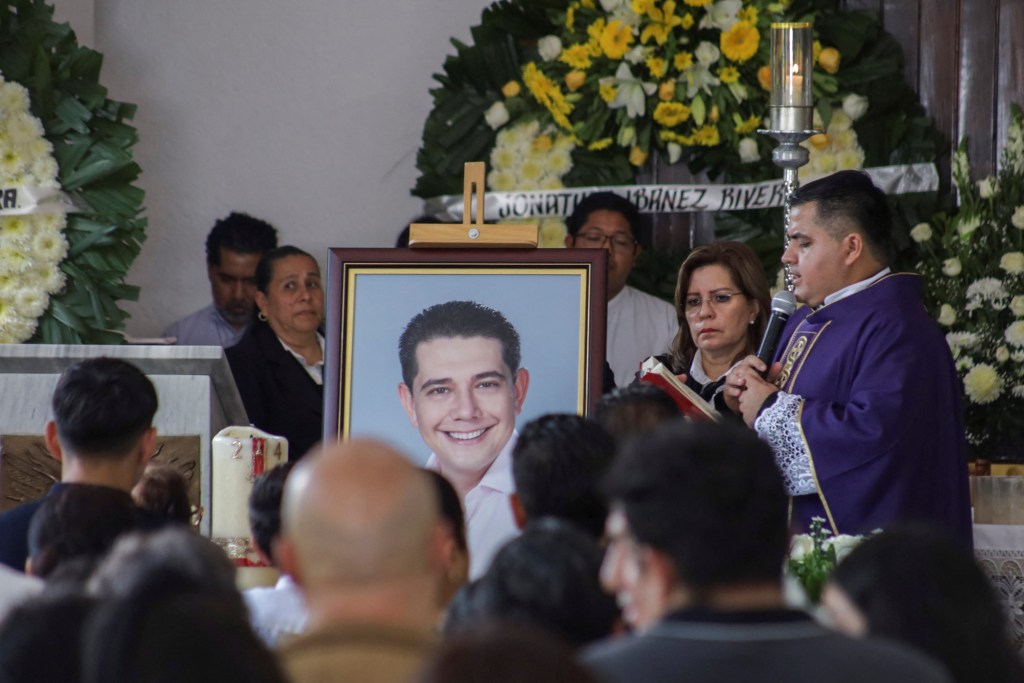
{"type": "Point", "coordinates": [777, 646]}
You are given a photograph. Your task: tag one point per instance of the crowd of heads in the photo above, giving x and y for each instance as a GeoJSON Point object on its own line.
{"type": "Point", "coordinates": [626, 516]}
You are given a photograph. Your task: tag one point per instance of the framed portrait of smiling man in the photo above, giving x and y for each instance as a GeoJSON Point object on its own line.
{"type": "Point", "coordinates": [443, 352]}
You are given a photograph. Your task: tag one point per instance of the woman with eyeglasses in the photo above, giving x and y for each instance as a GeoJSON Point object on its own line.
{"type": "Point", "coordinates": [723, 304]}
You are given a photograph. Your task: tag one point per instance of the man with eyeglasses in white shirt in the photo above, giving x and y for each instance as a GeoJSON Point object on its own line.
{"type": "Point", "coordinates": [639, 325]}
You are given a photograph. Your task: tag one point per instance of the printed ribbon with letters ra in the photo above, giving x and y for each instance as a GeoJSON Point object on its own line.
{"type": "Point", "coordinates": [671, 198]}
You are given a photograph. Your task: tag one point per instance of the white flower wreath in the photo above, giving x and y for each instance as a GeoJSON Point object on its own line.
{"type": "Point", "coordinates": [32, 245]}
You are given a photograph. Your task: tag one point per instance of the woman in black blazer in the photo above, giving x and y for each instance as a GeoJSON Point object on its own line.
{"type": "Point", "coordinates": [278, 364]}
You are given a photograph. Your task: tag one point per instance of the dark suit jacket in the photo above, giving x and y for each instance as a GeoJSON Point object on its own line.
{"type": "Point", "coordinates": [279, 395]}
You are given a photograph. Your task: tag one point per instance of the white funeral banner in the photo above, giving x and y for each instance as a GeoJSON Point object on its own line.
{"type": "Point", "coordinates": [768, 194]}
{"type": "Point", "coordinates": [24, 201]}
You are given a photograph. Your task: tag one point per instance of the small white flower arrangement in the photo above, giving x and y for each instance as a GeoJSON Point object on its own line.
{"type": "Point", "coordinates": [972, 264]}
{"type": "Point", "coordinates": [31, 246]}
{"type": "Point", "coordinates": [813, 557]}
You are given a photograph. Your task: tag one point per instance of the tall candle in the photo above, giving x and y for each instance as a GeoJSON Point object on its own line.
{"type": "Point", "coordinates": [238, 456]}
{"type": "Point", "coordinates": [792, 57]}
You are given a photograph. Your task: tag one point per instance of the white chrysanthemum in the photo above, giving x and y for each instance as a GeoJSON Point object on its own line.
{"type": "Point", "coordinates": [504, 157]}
{"type": "Point", "coordinates": [842, 139]}
{"type": "Point", "coordinates": [983, 384]}
{"type": "Point", "coordinates": [14, 260]}
{"type": "Point", "coordinates": [1012, 262]}
{"type": "Point", "coordinates": [501, 180]}
{"type": "Point", "coordinates": [552, 183]}
{"type": "Point", "coordinates": [30, 303]}
{"type": "Point", "coordinates": [840, 122]}
{"type": "Point", "coordinates": [50, 277]}
{"type": "Point", "coordinates": [13, 98]}
{"type": "Point", "coordinates": [14, 228]}
{"type": "Point", "coordinates": [1017, 306]}
{"type": "Point", "coordinates": [559, 162]}
{"type": "Point", "coordinates": [961, 340]}
{"type": "Point", "coordinates": [1014, 334]}
{"type": "Point", "coordinates": [850, 159]}
{"type": "Point", "coordinates": [987, 289]}
{"type": "Point", "coordinates": [1018, 391]}
{"type": "Point", "coordinates": [49, 247]}
{"type": "Point", "coordinates": [45, 171]}
{"type": "Point", "coordinates": [922, 232]}
{"type": "Point", "coordinates": [1002, 354]}
{"type": "Point", "coordinates": [952, 267]}
{"type": "Point", "coordinates": [552, 233]}
{"type": "Point", "coordinates": [1017, 356]}
{"type": "Point", "coordinates": [947, 315]}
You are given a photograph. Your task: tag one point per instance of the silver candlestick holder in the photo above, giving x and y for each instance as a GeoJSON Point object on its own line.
{"type": "Point", "coordinates": [791, 115]}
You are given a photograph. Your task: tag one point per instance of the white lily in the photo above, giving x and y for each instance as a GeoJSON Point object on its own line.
{"type": "Point", "coordinates": [632, 93]}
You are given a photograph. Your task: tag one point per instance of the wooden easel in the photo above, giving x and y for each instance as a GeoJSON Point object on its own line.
{"type": "Point", "coordinates": [476, 235]}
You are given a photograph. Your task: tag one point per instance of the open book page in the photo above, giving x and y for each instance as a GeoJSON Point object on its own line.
{"type": "Point", "coordinates": [690, 403]}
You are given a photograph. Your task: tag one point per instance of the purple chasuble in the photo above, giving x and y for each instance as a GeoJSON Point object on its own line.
{"type": "Point", "coordinates": [881, 415]}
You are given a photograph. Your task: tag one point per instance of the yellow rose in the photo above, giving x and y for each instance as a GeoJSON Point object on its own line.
{"type": "Point", "coordinates": [637, 156]}
{"type": "Point", "coordinates": [764, 78]}
{"type": "Point", "coordinates": [511, 89]}
{"type": "Point", "coordinates": [829, 59]}
{"type": "Point", "coordinates": [667, 90]}
{"type": "Point", "coordinates": [820, 141]}
{"type": "Point", "coordinates": [574, 80]}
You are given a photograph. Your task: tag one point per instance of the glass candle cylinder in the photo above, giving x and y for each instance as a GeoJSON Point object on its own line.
{"type": "Point", "coordinates": [791, 63]}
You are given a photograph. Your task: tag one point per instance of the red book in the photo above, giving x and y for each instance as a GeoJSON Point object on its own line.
{"type": "Point", "coordinates": [689, 401]}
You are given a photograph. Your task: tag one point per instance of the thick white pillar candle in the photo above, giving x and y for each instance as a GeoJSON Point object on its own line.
{"type": "Point", "coordinates": [238, 456]}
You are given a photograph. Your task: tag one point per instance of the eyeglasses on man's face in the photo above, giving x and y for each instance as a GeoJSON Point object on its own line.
{"type": "Point", "coordinates": [693, 303]}
{"type": "Point", "coordinates": [596, 239]}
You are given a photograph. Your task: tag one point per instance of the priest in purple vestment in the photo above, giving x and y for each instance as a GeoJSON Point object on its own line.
{"type": "Point", "coordinates": [862, 405]}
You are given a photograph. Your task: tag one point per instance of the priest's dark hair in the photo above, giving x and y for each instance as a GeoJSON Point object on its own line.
{"type": "Point", "coordinates": [239, 232]}
{"type": "Point", "coordinates": [709, 497]}
{"type": "Point", "coordinates": [456, 319]}
{"type": "Point", "coordinates": [606, 201]}
{"type": "Point", "coordinates": [557, 463]}
{"type": "Point", "coordinates": [848, 200]}
{"type": "Point", "coordinates": [265, 507]}
{"type": "Point", "coordinates": [265, 268]}
{"type": "Point", "coordinates": [102, 407]}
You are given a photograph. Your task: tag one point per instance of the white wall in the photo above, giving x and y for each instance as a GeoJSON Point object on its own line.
{"type": "Point", "coordinates": [306, 113]}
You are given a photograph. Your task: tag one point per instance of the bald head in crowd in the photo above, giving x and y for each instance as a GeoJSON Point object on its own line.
{"type": "Point", "coordinates": [362, 535]}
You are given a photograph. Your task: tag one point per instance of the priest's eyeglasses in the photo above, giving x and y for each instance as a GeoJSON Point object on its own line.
{"type": "Point", "coordinates": [596, 240]}
{"type": "Point", "coordinates": [693, 303]}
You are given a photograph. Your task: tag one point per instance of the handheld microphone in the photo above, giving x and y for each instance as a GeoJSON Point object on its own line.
{"type": "Point", "coordinates": [783, 305]}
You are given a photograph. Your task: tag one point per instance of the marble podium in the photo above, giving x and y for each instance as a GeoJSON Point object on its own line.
{"type": "Point", "coordinates": [196, 391]}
